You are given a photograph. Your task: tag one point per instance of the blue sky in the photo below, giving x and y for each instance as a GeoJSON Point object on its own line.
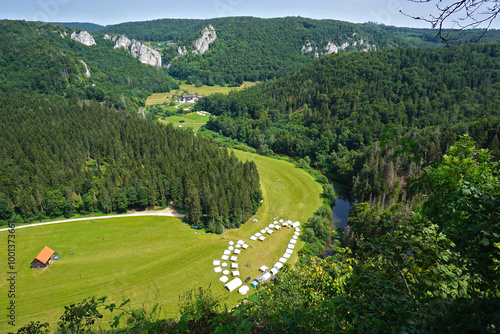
{"type": "Point", "coordinates": [113, 11]}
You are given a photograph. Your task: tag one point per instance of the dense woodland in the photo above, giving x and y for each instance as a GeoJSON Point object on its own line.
{"type": "Point", "coordinates": [59, 159]}
{"type": "Point", "coordinates": [35, 57]}
{"type": "Point", "coordinates": [422, 254]}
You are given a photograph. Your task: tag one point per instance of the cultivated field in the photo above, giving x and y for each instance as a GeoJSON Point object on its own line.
{"type": "Point", "coordinates": [160, 98]}
{"type": "Point", "coordinates": [150, 259]}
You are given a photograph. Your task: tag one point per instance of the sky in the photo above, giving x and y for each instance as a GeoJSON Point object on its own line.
{"type": "Point", "coordinates": [106, 12]}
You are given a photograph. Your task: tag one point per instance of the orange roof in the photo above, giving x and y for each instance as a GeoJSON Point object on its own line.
{"type": "Point", "coordinates": [45, 255]}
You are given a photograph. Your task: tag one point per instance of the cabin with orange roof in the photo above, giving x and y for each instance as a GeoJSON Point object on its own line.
{"type": "Point", "coordinates": [43, 259]}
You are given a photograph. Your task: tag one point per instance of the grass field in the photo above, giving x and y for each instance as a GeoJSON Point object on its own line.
{"type": "Point", "coordinates": [149, 259]}
{"type": "Point", "coordinates": [160, 98]}
{"type": "Point", "coordinates": [191, 120]}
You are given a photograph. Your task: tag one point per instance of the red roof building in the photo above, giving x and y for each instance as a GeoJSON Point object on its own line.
{"type": "Point", "coordinates": [43, 259]}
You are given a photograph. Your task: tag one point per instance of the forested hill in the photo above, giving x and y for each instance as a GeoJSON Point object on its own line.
{"type": "Point", "coordinates": [335, 111]}
{"type": "Point", "coordinates": [59, 158]}
{"type": "Point", "coordinates": [251, 49]}
{"type": "Point", "coordinates": [42, 58]}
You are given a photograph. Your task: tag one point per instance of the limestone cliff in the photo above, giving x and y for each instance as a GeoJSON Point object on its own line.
{"type": "Point", "coordinates": [145, 54]}
{"type": "Point", "coordinates": [87, 72]}
{"type": "Point", "coordinates": [83, 37]}
{"type": "Point", "coordinates": [311, 46]}
{"type": "Point", "coordinates": [208, 36]}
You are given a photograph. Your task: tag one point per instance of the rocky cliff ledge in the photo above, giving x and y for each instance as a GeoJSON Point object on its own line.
{"type": "Point", "coordinates": [83, 37]}
{"type": "Point", "coordinates": [208, 36]}
{"type": "Point", "coordinates": [311, 46]}
{"type": "Point", "coordinates": [145, 54]}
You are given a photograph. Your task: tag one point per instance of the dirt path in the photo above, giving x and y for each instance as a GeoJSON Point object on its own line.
{"type": "Point", "coordinates": [168, 212]}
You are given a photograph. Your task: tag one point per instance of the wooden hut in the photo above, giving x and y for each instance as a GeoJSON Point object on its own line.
{"type": "Point", "coordinates": [43, 259]}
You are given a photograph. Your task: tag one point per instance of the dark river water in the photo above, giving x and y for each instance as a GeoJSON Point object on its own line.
{"type": "Point", "coordinates": [340, 213]}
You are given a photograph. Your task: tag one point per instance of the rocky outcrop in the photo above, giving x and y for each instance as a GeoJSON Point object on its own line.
{"type": "Point", "coordinates": [182, 51]}
{"type": "Point", "coordinates": [122, 42]}
{"type": "Point", "coordinates": [87, 72]}
{"type": "Point", "coordinates": [83, 37]}
{"type": "Point", "coordinates": [310, 47]}
{"type": "Point", "coordinates": [208, 36]}
{"type": "Point", "coordinates": [106, 36]}
{"type": "Point", "coordinates": [145, 54]}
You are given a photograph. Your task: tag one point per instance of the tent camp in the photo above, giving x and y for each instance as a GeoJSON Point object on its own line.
{"type": "Point", "coordinates": [278, 265]}
{"type": "Point", "coordinates": [262, 238]}
{"type": "Point", "coordinates": [295, 237]}
{"type": "Point", "coordinates": [224, 257]}
{"type": "Point", "coordinates": [234, 266]}
{"type": "Point", "coordinates": [224, 264]}
{"type": "Point", "coordinates": [227, 252]}
{"type": "Point", "coordinates": [258, 234]}
{"type": "Point", "coordinates": [237, 251]}
{"type": "Point", "coordinates": [296, 224]}
{"type": "Point", "coordinates": [234, 258]}
{"type": "Point", "coordinates": [238, 246]}
{"type": "Point", "coordinates": [240, 242]}
{"type": "Point", "coordinates": [293, 241]}
{"type": "Point", "coordinates": [243, 290]}
{"type": "Point", "coordinates": [234, 284]}
{"type": "Point", "coordinates": [226, 272]}
{"type": "Point", "coordinates": [230, 248]}
{"type": "Point", "coordinates": [236, 273]}
{"type": "Point", "coordinates": [263, 231]}
{"type": "Point", "coordinates": [297, 229]}
{"type": "Point", "coordinates": [270, 231]}
{"type": "Point", "coordinates": [277, 227]}
{"type": "Point", "coordinates": [266, 276]}
{"type": "Point", "coordinates": [253, 237]}
{"type": "Point", "coordinates": [286, 256]}
{"type": "Point", "coordinates": [263, 268]}
{"type": "Point", "coordinates": [289, 251]}
{"type": "Point", "coordinates": [231, 243]}
{"type": "Point", "coordinates": [244, 246]}
{"type": "Point", "coordinates": [281, 220]}
{"type": "Point", "coordinates": [216, 263]}
{"type": "Point", "coordinates": [283, 260]}
{"type": "Point", "coordinates": [291, 246]}
{"type": "Point", "coordinates": [223, 279]}
{"type": "Point", "coordinates": [273, 271]}
{"type": "Point", "coordinates": [217, 269]}
{"type": "Point", "coordinates": [271, 225]}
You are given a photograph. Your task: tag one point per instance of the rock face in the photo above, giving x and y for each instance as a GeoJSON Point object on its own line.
{"type": "Point", "coordinates": [145, 54]}
{"type": "Point", "coordinates": [87, 72]}
{"type": "Point", "coordinates": [208, 36]}
{"type": "Point", "coordinates": [83, 37]}
{"type": "Point", "coordinates": [310, 46]}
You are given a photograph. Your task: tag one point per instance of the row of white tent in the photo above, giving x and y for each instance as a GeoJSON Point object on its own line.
{"type": "Point", "coordinates": [219, 265]}
{"type": "Point", "coordinates": [272, 227]}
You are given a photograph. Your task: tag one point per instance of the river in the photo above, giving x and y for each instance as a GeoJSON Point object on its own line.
{"type": "Point", "coordinates": [340, 213]}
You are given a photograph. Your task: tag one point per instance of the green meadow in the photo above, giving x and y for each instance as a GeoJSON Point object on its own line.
{"type": "Point", "coordinates": [160, 98]}
{"type": "Point", "coordinates": [150, 259]}
{"type": "Point", "coordinates": [191, 120]}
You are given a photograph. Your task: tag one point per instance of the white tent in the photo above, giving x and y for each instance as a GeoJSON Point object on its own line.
{"type": "Point", "coordinates": [270, 231]}
{"type": "Point", "coordinates": [216, 263]}
{"type": "Point", "coordinates": [258, 234]}
{"type": "Point", "coordinates": [296, 224]}
{"type": "Point", "coordinates": [291, 246]}
{"type": "Point", "coordinates": [234, 266]}
{"type": "Point", "coordinates": [286, 256]}
{"type": "Point", "coordinates": [266, 276]}
{"type": "Point", "coordinates": [240, 242]}
{"type": "Point", "coordinates": [237, 251]}
{"type": "Point", "coordinates": [283, 260]}
{"type": "Point", "coordinates": [253, 237]}
{"type": "Point", "coordinates": [231, 243]}
{"type": "Point", "coordinates": [262, 231]}
{"type": "Point", "coordinates": [281, 220]}
{"type": "Point", "coordinates": [263, 268]}
{"type": "Point", "coordinates": [238, 246]}
{"type": "Point", "coordinates": [295, 237]}
{"type": "Point", "coordinates": [227, 252]}
{"type": "Point", "coordinates": [234, 284]}
{"type": "Point", "coordinates": [278, 265]}
{"type": "Point", "coordinates": [275, 222]}
{"type": "Point", "coordinates": [225, 257]}
{"type": "Point", "coordinates": [271, 225]}
{"type": "Point", "coordinates": [244, 246]}
{"type": "Point", "coordinates": [236, 273]}
{"type": "Point", "coordinates": [297, 229]}
{"type": "Point", "coordinates": [224, 264]}
{"type": "Point", "coordinates": [234, 258]}
{"type": "Point", "coordinates": [223, 279]}
{"type": "Point", "coordinates": [296, 233]}
{"type": "Point", "coordinates": [226, 272]}
{"type": "Point", "coordinates": [293, 241]}
{"type": "Point", "coordinates": [262, 238]}
{"type": "Point", "coordinates": [230, 248]}
{"type": "Point", "coordinates": [273, 271]}
{"type": "Point", "coordinates": [243, 290]}
{"type": "Point", "coordinates": [277, 227]}
{"type": "Point", "coordinates": [285, 224]}
{"type": "Point", "coordinates": [289, 251]}
{"type": "Point", "coordinates": [217, 269]}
